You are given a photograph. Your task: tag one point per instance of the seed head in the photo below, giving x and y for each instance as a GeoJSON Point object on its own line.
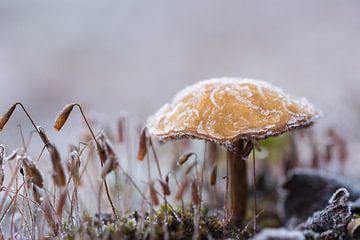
{"type": "Point", "coordinates": [142, 146]}
{"type": "Point", "coordinates": [110, 165]}
{"type": "Point", "coordinates": [32, 173]}
{"type": "Point", "coordinates": [73, 166]}
{"type": "Point", "coordinates": [213, 176]}
{"type": "Point", "coordinates": [183, 158]}
{"type": "Point", "coordinates": [58, 173]}
{"type": "Point", "coordinates": [183, 186]}
{"type": "Point", "coordinates": [165, 187]}
{"type": "Point", "coordinates": [195, 193]}
{"type": "Point", "coordinates": [153, 195]}
{"type": "Point", "coordinates": [5, 118]}
{"type": "Point", "coordinates": [62, 116]}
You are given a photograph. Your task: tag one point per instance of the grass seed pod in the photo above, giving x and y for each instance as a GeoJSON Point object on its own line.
{"type": "Point", "coordinates": [111, 160]}
{"type": "Point", "coordinates": [165, 187]}
{"type": "Point", "coordinates": [100, 145]}
{"type": "Point", "coordinates": [110, 165]}
{"type": "Point", "coordinates": [5, 118]}
{"type": "Point", "coordinates": [213, 176]}
{"type": "Point", "coordinates": [153, 195]}
{"type": "Point", "coordinates": [58, 173]}
{"type": "Point", "coordinates": [32, 173]}
{"type": "Point", "coordinates": [37, 195]}
{"type": "Point", "coordinates": [109, 148]}
{"type": "Point", "coordinates": [183, 158]}
{"type": "Point", "coordinates": [62, 116]}
{"type": "Point", "coordinates": [195, 193]}
{"type": "Point", "coordinates": [73, 166]}
{"type": "Point", "coordinates": [182, 188]}
{"type": "Point", "coordinates": [142, 146]}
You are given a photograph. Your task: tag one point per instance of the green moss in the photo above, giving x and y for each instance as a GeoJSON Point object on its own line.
{"type": "Point", "coordinates": [275, 146]}
{"type": "Point", "coordinates": [136, 226]}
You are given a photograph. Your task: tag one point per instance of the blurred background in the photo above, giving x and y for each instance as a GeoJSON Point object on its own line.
{"type": "Point", "coordinates": [130, 57]}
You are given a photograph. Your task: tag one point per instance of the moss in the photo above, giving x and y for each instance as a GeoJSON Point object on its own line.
{"type": "Point", "coordinates": [136, 226]}
{"type": "Point", "coordinates": [275, 146]}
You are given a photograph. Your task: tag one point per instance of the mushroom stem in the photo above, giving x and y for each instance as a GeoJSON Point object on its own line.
{"type": "Point", "coordinates": [238, 185]}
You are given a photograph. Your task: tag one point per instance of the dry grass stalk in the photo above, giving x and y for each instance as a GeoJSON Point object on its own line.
{"type": "Point", "coordinates": [49, 216]}
{"type": "Point", "coordinates": [8, 207]}
{"type": "Point", "coordinates": [110, 165]}
{"type": "Point", "coordinates": [7, 189]}
{"type": "Point", "coordinates": [32, 173]}
{"type": "Point", "coordinates": [340, 144]}
{"type": "Point", "coordinates": [61, 203]}
{"type": "Point", "coordinates": [165, 187]}
{"type": "Point", "coordinates": [189, 168]}
{"type": "Point", "coordinates": [101, 153]}
{"type": "Point", "coordinates": [121, 129]}
{"type": "Point", "coordinates": [43, 136]}
{"type": "Point", "coordinates": [195, 193]}
{"type": "Point", "coordinates": [73, 166]}
{"type": "Point", "coordinates": [2, 171]}
{"type": "Point", "coordinates": [101, 147]}
{"type": "Point", "coordinates": [58, 173]}
{"type": "Point", "coordinates": [37, 195]}
{"type": "Point", "coordinates": [212, 153]}
{"type": "Point", "coordinates": [5, 118]}
{"type": "Point", "coordinates": [328, 152]}
{"type": "Point", "coordinates": [153, 195]}
{"type": "Point", "coordinates": [315, 161]}
{"type": "Point", "coordinates": [12, 156]}
{"type": "Point", "coordinates": [109, 148]}
{"type": "Point", "coordinates": [73, 148]}
{"type": "Point", "coordinates": [60, 121]}
{"type": "Point", "coordinates": [111, 161]}
{"type": "Point", "coordinates": [183, 186]}
{"type": "Point", "coordinates": [62, 116]}
{"type": "Point", "coordinates": [142, 146]}
{"type": "Point", "coordinates": [213, 176]}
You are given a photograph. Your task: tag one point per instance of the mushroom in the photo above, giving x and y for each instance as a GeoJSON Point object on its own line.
{"type": "Point", "coordinates": [232, 112]}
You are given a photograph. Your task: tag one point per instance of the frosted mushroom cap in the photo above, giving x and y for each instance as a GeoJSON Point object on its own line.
{"type": "Point", "coordinates": [224, 110]}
